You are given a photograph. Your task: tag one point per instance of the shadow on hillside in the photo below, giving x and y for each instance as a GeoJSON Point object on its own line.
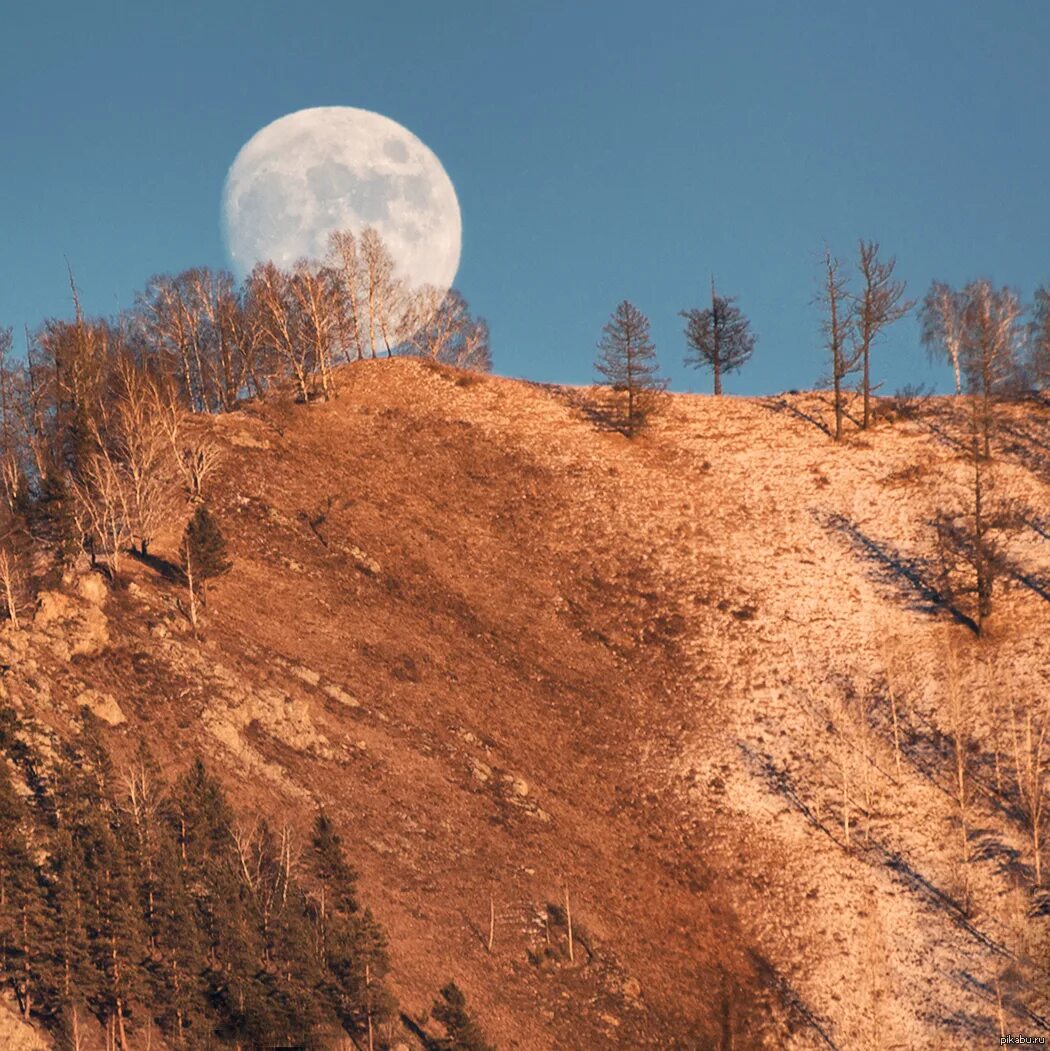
{"type": "Point", "coordinates": [984, 844]}
{"type": "Point", "coordinates": [1027, 444]}
{"type": "Point", "coordinates": [988, 993]}
{"type": "Point", "coordinates": [601, 412]}
{"type": "Point", "coordinates": [1033, 581]}
{"type": "Point", "coordinates": [791, 1000]}
{"type": "Point", "coordinates": [782, 405]}
{"type": "Point", "coordinates": [911, 574]}
{"type": "Point", "coordinates": [168, 570]}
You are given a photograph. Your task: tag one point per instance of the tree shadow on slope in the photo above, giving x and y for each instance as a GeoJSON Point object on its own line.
{"type": "Point", "coordinates": [1028, 444]}
{"type": "Point", "coordinates": [782, 406]}
{"type": "Point", "coordinates": [161, 566]}
{"type": "Point", "coordinates": [600, 410]}
{"type": "Point", "coordinates": [779, 781]}
{"type": "Point", "coordinates": [790, 1000]}
{"type": "Point", "coordinates": [911, 574]}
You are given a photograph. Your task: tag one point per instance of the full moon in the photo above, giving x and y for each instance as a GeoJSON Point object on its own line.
{"type": "Point", "coordinates": [332, 168]}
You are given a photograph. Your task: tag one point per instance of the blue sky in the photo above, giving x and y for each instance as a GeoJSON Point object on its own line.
{"type": "Point", "coordinates": [600, 150]}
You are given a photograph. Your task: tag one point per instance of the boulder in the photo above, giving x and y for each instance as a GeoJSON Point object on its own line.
{"type": "Point", "coordinates": [337, 693]}
{"type": "Point", "coordinates": [92, 588]}
{"type": "Point", "coordinates": [102, 705]}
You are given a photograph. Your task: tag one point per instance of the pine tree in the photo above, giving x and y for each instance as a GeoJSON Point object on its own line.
{"type": "Point", "coordinates": [719, 337]}
{"type": "Point", "coordinates": [462, 1032]}
{"type": "Point", "coordinates": [350, 943]}
{"type": "Point", "coordinates": [627, 360]}
{"type": "Point", "coordinates": [202, 556]}
{"type": "Point", "coordinates": [203, 551]}
{"type": "Point", "coordinates": [22, 937]}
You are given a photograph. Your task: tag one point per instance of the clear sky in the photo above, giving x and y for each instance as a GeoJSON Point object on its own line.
{"type": "Point", "coordinates": [600, 150]}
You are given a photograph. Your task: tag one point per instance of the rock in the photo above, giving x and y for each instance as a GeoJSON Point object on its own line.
{"type": "Point", "coordinates": [482, 771]}
{"type": "Point", "coordinates": [102, 705]}
{"type": "Point", "coordinates": [92, 588]}
{"type": "Point", "coordinates": [311, 678]}
{"type": "Point", "coordinates": [337, 693]}
{"type": "Point", "coordinates": [75, 630]}
{"type": "Point", "coordinates": [469, 737]}
{"type": "Point", "coordinates": [52, 606]}
{"type": "Point", "coordinates": [159, 630]}
{"type": "Point", "coordinates": [519, 786]}
{"type": "Point", "coordinates": [609, 1019]}
{"type": "Point", "coordinates": [632, 988]}
{"type": "Point", "coordinates": [364, 562]}
{"type": "Point", "coordinates": [91, 634]}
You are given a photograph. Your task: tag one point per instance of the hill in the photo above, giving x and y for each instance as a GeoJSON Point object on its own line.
{"type": "Point", "coordinates": [523, 661]}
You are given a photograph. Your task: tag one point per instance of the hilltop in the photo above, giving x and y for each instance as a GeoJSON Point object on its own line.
{"type": "Point", "coordinates": [520, 658]}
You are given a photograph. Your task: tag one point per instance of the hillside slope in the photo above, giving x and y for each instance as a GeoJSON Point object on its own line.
{"type": "Point", "coordinates": [516, 656]}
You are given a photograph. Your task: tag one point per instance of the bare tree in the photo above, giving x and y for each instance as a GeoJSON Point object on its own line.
{"type": "Point", "coordinates": [627, 360]}
{"type": "Point", "coordinates": [1038, 363]}
{"type": "Point", "coordinates": [273, 308]}
{"type": "Point", "coordinates": [879, 304]}
{"type": "Point", "coordinates": [838, 333]}
{"type": "Point", "coordinates": [961, 714]}
{"type": "Point", "coordinates": [134, 434]}
{"type": "Point", "coordinates": [940, 319]}
{"type": "Point", "coordinates": [345, 261]}
{"type": "Point", "coordinates": [316, 300]}
{"type": "Point", "coordinates": [440, 326]}
{"type": "Point", "coordinates": [971, 536]}
{"type": "Point", "coordinates": [719, 337]}
{"type": "Point", "coordinates": [1029, 724]}
{"type": "Point", "coordinates": [988, 347]}
{"type": "Point", "coordinates": [11, 582]}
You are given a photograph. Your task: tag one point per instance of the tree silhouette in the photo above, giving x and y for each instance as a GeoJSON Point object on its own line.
{"type": "Point", "coordinates": [719, 337]}
{"type": "Point", "coordinates": [627, 360]}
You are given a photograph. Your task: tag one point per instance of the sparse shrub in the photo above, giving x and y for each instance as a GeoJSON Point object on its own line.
{"type": "Point", "coordinates": [908, 403]}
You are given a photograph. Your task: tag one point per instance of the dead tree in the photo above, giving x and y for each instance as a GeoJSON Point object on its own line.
{"type": "Point", "coordinates": [971, 536]}
{"type": "Point", "coordinates": [838, 333]}
{"type": "Point", "coordinates": [879, 304]}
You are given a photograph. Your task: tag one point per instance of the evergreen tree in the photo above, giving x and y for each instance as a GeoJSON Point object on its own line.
{"type": "Point", "coordinates": [627, 360]}
{"type": "Point", "coordinates": [22, 935]}
{"type": "Point", "coordinates": [719, 337]}
{"type": "Point", "coordinates": [73, 979]}
{"type": "Point", "coordinates": [462, 1032]}
{"type": "Point", "coordinates": [350, 943]}
{"type": "Point", "coordinates": [52, 518]}
{"type": "Point", "coordinates": [203, 551]}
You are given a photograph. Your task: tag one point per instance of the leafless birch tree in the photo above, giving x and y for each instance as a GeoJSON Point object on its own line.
{"type": "Point", "coordinates": [940, 318]}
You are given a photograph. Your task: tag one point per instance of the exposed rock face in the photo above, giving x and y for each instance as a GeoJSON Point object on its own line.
{"type": "Point", "coordinates": [69, 627]}
{"type": "Point", "coordinates": [102, 705]}
{"type": "Point", "coordinates": [92, 588]}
